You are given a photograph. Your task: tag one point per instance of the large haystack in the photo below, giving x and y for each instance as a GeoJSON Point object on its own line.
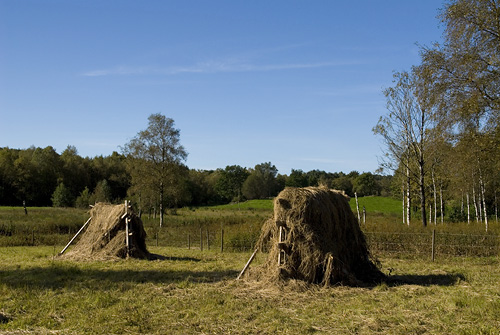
{"type": "Point", "coordinates": [314, 236]}
{"type": "Point", "coordinates": [105, 235]}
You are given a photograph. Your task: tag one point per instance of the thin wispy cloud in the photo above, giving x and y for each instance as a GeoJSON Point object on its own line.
{"type": "Point", "coordinates": [213, 67]}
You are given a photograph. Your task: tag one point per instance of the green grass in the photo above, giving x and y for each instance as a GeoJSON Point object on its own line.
{"type": "Point", "coordinates": [193, 292]}
{"type": "Point", "coordinates": [264, 204]}
{"type": "Point", "coordinates": [377, 205]}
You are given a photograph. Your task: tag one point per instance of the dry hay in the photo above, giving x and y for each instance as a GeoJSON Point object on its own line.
{"type": "Point", "coordinates": [104, 237]}
{"type": "Point", "coordinates": [323, 243]}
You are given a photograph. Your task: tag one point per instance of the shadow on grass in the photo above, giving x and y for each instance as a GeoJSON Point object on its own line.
{"type": "Point", "coordinates": [55, 277]}
{"type": "Point", "coordinates": [426, 280]}
{"type": "Point", "coordinates": [155, 257]}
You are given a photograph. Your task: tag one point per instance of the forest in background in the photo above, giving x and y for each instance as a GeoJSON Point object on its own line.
{"type": "Point", "coordinates": [42, 177]}
{"type": "Point", "coordinates": [442, 127]}
{"type": "Point", "coordinates": [441, 134]}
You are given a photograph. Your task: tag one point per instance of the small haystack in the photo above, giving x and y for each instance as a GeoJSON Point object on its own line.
{"type": "Point", "coordinates": [314, 237]}
{"type": "Point", "coordinates": [105, 235]}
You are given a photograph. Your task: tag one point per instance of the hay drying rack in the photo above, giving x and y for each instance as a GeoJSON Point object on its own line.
{"type": "Point", "coordinates": [128, 231]}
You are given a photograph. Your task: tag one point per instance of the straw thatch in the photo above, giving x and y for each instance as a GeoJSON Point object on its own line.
{"type": "Point", "coordinates": [105, 236]}
{"type": "Point", "coordinates": [321, 241]}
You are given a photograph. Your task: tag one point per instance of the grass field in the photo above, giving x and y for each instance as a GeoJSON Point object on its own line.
{"type": "Point", "coordinates": [193, 292]}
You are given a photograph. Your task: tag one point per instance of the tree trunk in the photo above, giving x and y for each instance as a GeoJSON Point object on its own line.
{"type": "Point", "coordinates": [430, 213]}
{"type": "Point", "coordinates": [435, 198]}
{"type": "Point", "coordinates": [441, 202]}
{"type": "Point", "coordinates": [496, 208]}
{"type": "Point", "coordinates": [422, 194]}
{"type": "Point", "coordinates": [161, 204]}
{"type": "Point", "coordinates": [468, 209]}
{"type": "Point", "coordinates": [404, 202]}
{"type": "Point", "coordinates": [408, 197]}
{"type": "Point", "coordinates": [481, 185]}
{"type": "Point", "coordinates": [475, 202]}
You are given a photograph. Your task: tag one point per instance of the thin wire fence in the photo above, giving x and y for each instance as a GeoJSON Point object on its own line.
{"type": "Point", "coordinates": [235, 238]}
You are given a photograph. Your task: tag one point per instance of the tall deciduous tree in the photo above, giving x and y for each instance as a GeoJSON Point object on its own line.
{"type": "Point", "coordinates": [230, 182]}
{"type": "Point", "coordinates": [154, 157]}
{"type": "Point", "coordinates": [261, 183]}
{"type": "Point", "coordinates": [465, 69]}
{"type": "Point", "coordinates": [404, 131]}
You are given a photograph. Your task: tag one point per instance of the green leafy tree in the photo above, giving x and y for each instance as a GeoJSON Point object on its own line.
{"type": "Point", "coordinates": [8, 177]}
{"type": "Point", "coordinates": [62, 197]}
{"type": "Point", "coordinates": [154, 156]}
{"type": "Point", "coordinates": [76, 171]}
{"type": "Point", "coordinates": [343, 183]}
{"type": "Point", "coordinates": [365, 184]}
{"type": "Point", "coordinates": [102, 192]}
{"type": "Point", "coordinates": [230, 182]}
{"type": "Point", "coordinates": [405, 131]}
{"type": "Point", "coordinates": [297, 178]}
{"type": "Point", "coordinates": [83, 200]}
{"type": "Point", "coordinates": [261, 183]}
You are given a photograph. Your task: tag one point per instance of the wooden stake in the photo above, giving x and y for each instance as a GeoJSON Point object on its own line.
{"type": "Point", "coordinates": [248, 264]}
{"type": "Point", "coordinates": [357, 207]}
{"type": "Point", "coordinates": [208, 240]}
{"type": "Point", "coordinates": [78, 233]}
{"type": "Point", "coordinates": [201, 239]}
{"type": "Point", "coordinates": [127, 241]}
{"type": "Point", "coordinates": [222, 240]}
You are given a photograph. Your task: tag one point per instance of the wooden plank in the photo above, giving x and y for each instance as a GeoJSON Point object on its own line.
{"type": "Point", "coordinates": [78, 233]}
{"type": "Point", "coordinates": [248, 264]}
{"type": "Point", "coordinates": [127, 241]}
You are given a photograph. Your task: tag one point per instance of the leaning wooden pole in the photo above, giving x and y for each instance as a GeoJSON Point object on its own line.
{"type": "Point", "coordinates": [248, 264]}
{"type": "Point", "coordinates": [127, 241]}
{"type": "Point", "coordinates": [78, 233]}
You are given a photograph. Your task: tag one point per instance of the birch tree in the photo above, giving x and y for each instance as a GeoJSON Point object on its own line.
{"type": "Point", "coordinates": [404, 131]}
{"type": "Point", "coordinates": [154, 156]}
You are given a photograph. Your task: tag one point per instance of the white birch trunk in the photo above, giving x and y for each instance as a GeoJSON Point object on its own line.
{"type": "Point", "coordinates": [468, 209]}
{"type": "Point", "coordinates": [408, 197]}
{"type": "Point", "coordinates": [481, 184]}
{"type": "Point", "coordinates": [496, 208]}
{"type": "Point", "coordinates": [435, 197]}
{"type": "Point", "coordinates": [441, 200]}
{"type": "Point", "coordinates": [403, 202]}
{"type": "Point", "coordinates": [430, 213]}
{"type": "Point", "coordinates": [475, 202]}
{"type": "Point", "coordinates": [462, 204]}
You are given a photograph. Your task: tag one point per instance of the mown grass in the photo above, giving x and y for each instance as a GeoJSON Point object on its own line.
{"type": "Point", "coordinates": [377, 205]}
{"type": "Point", "coordinates": [193, 292]}
{"type": "Point", "coordinates": [242, 222]}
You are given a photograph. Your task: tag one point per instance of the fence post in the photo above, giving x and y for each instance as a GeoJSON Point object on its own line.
{"type": "Point", "coordinates": [357, 207]}
{"type": "Point", "coordinates": [433, 243]}
{"type": "Point", "coordinates": [222, 240]}
{"type": "Point", "coordinates": [208, 240]}
{"type": "Point", "coordinates": [127, 241]}
{"type": "Point", "coordinates": [201, 239]}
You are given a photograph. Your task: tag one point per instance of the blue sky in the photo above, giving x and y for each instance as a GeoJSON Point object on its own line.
{"type": "Point", "coordinates": [296, 83]}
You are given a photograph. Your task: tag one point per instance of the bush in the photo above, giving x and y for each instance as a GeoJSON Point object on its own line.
{"type": "Point", "coordinates": [62, 197]}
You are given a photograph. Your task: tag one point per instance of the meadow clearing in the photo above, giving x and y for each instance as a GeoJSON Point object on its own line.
{"type": "Point", "coordinates": [193, 291]}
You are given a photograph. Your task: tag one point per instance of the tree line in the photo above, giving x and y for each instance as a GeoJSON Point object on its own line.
{"type": "Point", "coordinates": [42, 177]}
{"type": "Point", "coordinates": [442, 129]}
